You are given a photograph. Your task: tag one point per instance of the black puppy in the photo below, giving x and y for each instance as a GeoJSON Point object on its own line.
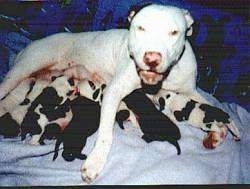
{"type": "Point", "coordinates": [52, 103]}
{"type": "Point", "coordinates": [48, 100]}
{"type": "Point", "coordinates": [85, 122]}
{"type": "Point", "coordinates": [154, 124]}
{"type": "Point", "coordinates": [8, 126]}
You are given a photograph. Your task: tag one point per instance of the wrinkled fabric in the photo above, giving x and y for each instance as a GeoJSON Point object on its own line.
{"type": "Point", "coordinates": [133, 161]}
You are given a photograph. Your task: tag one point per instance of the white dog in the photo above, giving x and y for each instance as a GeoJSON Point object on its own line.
{"type": "Point", "coordinates": [154, 45]}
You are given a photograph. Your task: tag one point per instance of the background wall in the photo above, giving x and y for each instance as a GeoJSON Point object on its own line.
{"type": "Point", "coordinates": [220, 40]}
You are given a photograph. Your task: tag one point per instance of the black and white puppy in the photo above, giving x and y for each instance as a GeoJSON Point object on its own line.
{"type": "Point", "coordinates": [9, 122]}
{"type": "Point", "coordinates": [209, 118]}
{"type": "Point", "coordinates": [15, 105]}
{"type": "Point", "coordinates": [48, 107]}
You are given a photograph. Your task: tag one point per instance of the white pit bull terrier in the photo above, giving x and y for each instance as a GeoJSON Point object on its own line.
{"type": "Point", "coordinates": [153, 51]}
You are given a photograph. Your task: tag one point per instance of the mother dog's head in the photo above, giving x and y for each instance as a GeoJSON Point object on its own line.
{"type": "Point", "coordinates": [157, 39]}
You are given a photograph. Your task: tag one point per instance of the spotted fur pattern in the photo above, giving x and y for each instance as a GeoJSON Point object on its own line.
{"type": "Point", "coordinates": [207, 117]}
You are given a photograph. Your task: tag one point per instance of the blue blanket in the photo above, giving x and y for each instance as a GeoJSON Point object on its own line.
{"type": "Point", "coordinates": [133, 161]}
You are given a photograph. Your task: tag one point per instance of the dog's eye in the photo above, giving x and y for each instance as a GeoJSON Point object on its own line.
{"type": "Point", "coordinates": [140, 28]}
{"type": "Point", "coordinates": [173, 33]}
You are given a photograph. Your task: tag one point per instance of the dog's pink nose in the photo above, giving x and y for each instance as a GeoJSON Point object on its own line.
{"type": "Point", "coordinates": [152, 59]}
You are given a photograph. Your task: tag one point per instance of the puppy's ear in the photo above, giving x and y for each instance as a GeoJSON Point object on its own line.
{"type": "Point", "coordinates": [135, 9]}
{"type": "Point", "coordinates": [189, 21]}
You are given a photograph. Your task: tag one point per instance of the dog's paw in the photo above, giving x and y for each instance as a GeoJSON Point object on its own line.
{"type": "Point", "coordinates": [91, 169]}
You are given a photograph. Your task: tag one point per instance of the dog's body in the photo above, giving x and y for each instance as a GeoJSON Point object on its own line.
{"type": "Point", "coordinates": [125, 59]}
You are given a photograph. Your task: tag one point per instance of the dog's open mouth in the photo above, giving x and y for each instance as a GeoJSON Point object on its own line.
{"type": "Point", "coordinates": [150, 77]}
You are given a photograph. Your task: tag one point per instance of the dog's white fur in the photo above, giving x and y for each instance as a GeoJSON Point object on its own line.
{"type": "Point", "coordinates": [155, 28]}
{"type": "Point", "coordinates": [19, 111]}
{"type": "Point", "coordinates": [15, 97]}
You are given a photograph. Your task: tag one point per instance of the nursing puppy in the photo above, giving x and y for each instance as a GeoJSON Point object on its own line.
{"type": "Point", "coordinates": [86, 115]}
{"type": "Point", "coordinates": [154, 51]}
{"type": "Point", "coordinates": [10, 122]}
{"type": "Point", "coordinates": [66, 87]}
{"type": "Point", "coordinates": [15, 105]}
{"type": "Point", "coordinates": [47, 108]}
{"type": "Point", "coordinates": [211, 119]}
{"type": "Point", "coordinates": [8, 126]}
{"type": "Point", "coordinates": [85, 122]}
{"type": "Point", "coordinates": [154, 124]}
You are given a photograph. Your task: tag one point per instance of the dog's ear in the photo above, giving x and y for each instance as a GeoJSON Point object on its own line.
{"type": "Point", "coordinates": [135, 9]}
{"type": "Point", "coordinates": [131, 15]}
{"type": "Point", "coordinates": [189, 20]}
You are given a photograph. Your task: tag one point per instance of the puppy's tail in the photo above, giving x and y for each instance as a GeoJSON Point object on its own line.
{"type": "Point", "coordinates": [176, 144]}
{"type": "Point", "coordinates": [58, 142]}
{"type": "Point", "coordinates": [233, 130]}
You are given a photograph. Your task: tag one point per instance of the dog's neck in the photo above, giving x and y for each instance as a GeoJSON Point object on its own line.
{"type": "Point", "coordinates": [151, 89]}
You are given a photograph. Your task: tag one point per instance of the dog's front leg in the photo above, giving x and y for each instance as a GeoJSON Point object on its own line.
{"type": "Point", "coordinates": [123, 83]}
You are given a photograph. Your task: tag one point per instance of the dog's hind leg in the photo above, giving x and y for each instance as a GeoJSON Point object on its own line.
{"type": "Point", "coordinates": [40, 55]}
{"type": "Point", "coordinates": [15, 97]}
{"type": "Point", "coordinates": [16, 75]}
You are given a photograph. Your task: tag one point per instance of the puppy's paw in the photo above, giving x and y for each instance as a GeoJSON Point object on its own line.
{"type": "Point", "coordinates": [215, 138]}
{"type": "Point", "coordinates": [234, 130]}
{"type": "Point", "coordinates": [34, 140]}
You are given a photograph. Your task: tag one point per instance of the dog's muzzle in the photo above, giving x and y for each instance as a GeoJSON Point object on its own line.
{"type": "Point", "coordinates": [150, 77]}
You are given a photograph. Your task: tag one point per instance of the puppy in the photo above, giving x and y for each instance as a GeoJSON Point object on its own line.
{"type": "Point", "coordinates": [8, 126]}
{"type": "Point", "coordinates": [17, 107]}
{"type": "Point", "coordinates": [85, 122]}
{"type": "Point", "coordinates": [211, 119]}
{"type": "Point", "coordinates": [49, 106]}
{"type": "Point", "coordinates": [154, 124]}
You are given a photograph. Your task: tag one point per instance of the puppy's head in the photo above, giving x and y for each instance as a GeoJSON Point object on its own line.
{"type": "Point", "coordinates": [157, 39]}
